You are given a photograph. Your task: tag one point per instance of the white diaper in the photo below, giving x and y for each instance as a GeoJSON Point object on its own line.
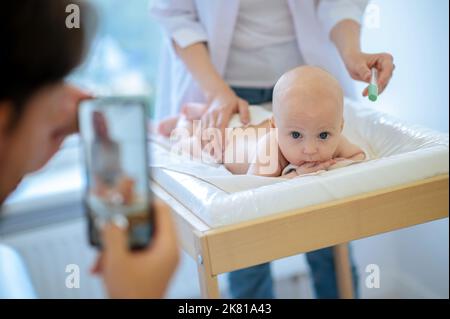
{"type": "Point", "coordinates": [258, 114]}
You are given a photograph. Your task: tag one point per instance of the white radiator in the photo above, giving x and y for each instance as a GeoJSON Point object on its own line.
{"type": "Point", "coordinates": [47, 252]}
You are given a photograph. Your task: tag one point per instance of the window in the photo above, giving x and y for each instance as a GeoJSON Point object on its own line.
{"type": "Point", "coordinates": [123, 58]}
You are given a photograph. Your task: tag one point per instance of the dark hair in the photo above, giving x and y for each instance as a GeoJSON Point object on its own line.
{"type": "Point", "coordinates": [36, 47]}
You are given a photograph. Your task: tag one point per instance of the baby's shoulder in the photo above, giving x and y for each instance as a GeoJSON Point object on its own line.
{"type": "Point", "coordinates": [347, 148]}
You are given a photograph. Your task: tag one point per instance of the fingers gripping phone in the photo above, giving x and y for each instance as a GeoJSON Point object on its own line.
{"type": "Point", "coordinates": [113, 134]}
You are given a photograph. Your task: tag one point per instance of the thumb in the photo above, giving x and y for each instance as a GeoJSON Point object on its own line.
{"type": "Point", "coordinates": [193, 110]}
{"type": "Point", "coordinates": [244, 113]}
{"type": "Point", "coordinates": [363, 72]}
{"type": "Point", "coordinates": [114, 240]}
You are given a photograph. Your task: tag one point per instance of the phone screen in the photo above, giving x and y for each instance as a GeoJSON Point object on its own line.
{"type": "Point", "coordinates": [113, 132]}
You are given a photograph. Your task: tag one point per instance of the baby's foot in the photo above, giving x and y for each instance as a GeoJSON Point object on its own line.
{"type": "Point", "coordinates": [166, 126]}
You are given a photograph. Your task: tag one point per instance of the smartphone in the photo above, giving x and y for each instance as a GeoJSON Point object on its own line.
{"type": "Point", "coordinates": [113, 136]}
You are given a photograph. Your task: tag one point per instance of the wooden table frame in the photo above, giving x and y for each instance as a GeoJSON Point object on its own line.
{"type": "Point", "coordinates": [224, 249]}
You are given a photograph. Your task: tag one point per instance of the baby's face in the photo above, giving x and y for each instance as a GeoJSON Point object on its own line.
{"type": "Point", "coordinates": [309, 128]}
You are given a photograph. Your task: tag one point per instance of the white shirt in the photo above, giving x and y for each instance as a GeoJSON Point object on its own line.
{"type": "Point", "coordinates": [264, 44]}
{"type": "Point", "coordinates": [214, 22]}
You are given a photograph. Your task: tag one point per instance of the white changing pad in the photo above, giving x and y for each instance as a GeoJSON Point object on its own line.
{"type": "Point", "coordinates": [398, 153]}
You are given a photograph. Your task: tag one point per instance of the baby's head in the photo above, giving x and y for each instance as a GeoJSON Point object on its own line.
{"type": "Point", "coordinates": [308, 113]}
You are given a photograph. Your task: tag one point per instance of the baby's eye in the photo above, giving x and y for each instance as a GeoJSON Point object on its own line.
{"type": "Point", "coordinates": [324, 135]}
{"type": "Point", "coordinates": [295, 135]}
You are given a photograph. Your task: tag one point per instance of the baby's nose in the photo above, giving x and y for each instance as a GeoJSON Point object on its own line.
{"type": "Point", "coordinates": [310, 149]}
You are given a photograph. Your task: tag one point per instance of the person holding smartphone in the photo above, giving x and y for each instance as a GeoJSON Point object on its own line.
{"type": "Point", "coordinates": [38, 110]}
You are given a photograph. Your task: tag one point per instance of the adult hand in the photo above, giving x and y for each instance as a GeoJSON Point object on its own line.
{"type": "Point", "coordinates": [359, 66]}
{"type": "Point", "coordinates": [52, 115]}
{"type": "Point", "coordinates": [140, 274]}
{"type": "Point", "coordinates": [221, 106]}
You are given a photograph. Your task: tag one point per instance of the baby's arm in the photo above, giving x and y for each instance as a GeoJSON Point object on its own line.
{"type": "Point", "coordinates": [312, 167]}
{"type": "Point", "coordinates": [349, 151]}
{"type": "Point", "coordinates": [266, 161]}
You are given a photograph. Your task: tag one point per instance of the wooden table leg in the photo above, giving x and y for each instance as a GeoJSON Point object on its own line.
{"type": "Point", "coordinates": [343, 271]}
{"type": "Point", "coordinates": [209, 286]}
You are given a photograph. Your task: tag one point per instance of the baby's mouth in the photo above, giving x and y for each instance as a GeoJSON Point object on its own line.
{"type": "Point", "coordinates": [314, 161]}
{"type": "Point", "coordinates": [309, 160]}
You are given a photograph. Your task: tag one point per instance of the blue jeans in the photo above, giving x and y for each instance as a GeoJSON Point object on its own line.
{"type": "Point", "coordinates": [256, 281]}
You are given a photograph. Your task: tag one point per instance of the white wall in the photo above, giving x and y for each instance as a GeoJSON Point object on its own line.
{"type": "Point", "coordinates": [416, 33]}
{"type": "Point", "coordinates": [413, 262]}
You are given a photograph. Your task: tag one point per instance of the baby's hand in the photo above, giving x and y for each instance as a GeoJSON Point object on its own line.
{"type": "Point", "coordinates": [311, 167]}
{"type": "Point", "coordinates": [343, 161]}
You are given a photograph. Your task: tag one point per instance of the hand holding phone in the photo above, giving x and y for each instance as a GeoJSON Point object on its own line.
{"type": "Point", "coordinates": [126, 274]}
{"type": "Point", "coordinates": [113, 131]}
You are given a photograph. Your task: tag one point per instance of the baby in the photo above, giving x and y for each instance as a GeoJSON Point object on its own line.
{"type": "Point", "coordinates": [304, 134]}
